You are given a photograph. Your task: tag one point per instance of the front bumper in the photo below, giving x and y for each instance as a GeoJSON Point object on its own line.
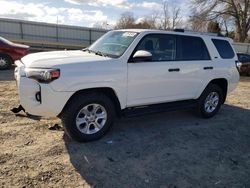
{"type": "Point", "coordinates": [51, 102]}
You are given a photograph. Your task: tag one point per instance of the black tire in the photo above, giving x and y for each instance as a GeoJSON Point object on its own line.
{"type": "Point", "coordinates": [211, 88]}
{"type": "Point", "coordinates": [75, 105]}
{"type": "Point", "coordinates": [5, 62]}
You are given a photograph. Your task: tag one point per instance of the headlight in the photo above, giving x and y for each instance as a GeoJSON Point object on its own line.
{"type": "Point", "coordinates": [42, 75]}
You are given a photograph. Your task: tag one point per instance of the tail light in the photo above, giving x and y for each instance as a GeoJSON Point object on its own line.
{"type": "Point", "coordinates": [238, 65]}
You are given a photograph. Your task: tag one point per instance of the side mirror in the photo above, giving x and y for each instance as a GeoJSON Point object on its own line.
{"type": "Point", "coordinates": [142, 55]}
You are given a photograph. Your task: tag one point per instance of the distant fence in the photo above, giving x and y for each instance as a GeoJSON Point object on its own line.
{"type": "Point", "coordinates": [45, 35]}
{"type": "Point", "coordinates": [242, 47]}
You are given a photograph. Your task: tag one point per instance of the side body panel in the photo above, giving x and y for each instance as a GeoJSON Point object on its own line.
{"type": "Point", "coordinates": [222, 68]}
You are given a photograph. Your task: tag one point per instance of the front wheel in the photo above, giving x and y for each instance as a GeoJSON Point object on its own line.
{"type": "Point", "coordinates": [5, 62]}
{"type": "Point", "coordinates": [88, 117]}
{"type": "Point", "coordinates": [210, 101]}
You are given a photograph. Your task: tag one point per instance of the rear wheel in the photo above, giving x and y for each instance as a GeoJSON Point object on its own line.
{"type": "Point", "coordinates": [210, 101]}
{"type": "Point", "coordinates": [5, 62]}
{"type": "Point", "coordinates": [88, 117]}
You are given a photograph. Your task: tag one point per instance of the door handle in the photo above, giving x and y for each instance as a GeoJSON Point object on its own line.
{"type": "Point", "coordinates": [208, 68]}
{"type": "Point", "coordinates": [174, 70]}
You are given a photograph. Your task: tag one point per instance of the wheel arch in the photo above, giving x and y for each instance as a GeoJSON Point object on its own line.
{"type": "Point", "coordinates": [109, 92]}
{"type": "Point", "coordinates": [7, 55]}
{"type": "Point", "coordinates": [223, 84]}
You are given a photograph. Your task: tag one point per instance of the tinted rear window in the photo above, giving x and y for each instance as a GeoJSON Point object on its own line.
{"type": "Point", "coordinates": [192, 48]}
{"type": "Point", "coordinates": [224, 48]}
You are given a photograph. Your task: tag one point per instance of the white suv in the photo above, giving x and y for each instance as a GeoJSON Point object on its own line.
{"type": "Point", "coordinates": [127, 72]}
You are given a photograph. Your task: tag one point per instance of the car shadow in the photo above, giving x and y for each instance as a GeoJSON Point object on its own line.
{"type": "Point", "coordinates": [172, 149]}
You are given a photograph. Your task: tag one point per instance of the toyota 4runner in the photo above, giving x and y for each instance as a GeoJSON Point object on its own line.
{"type": "Point", "coordinates": [128, 72]}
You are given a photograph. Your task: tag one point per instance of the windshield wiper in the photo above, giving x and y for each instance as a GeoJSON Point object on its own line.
{"type": "Point", "coordinates": [101, 54]}
{"type": "Point", "coordinates": [97, 52]}
{"type": "Point", "coordinates": [88, 50]}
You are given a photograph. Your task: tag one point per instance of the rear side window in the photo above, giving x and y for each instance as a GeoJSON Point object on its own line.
{"type": "Point", "coordinates": [224, 48]}
{"type": "Point", "coordinates": [191, 48]}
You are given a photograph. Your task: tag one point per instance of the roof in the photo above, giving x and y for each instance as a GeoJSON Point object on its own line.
{"type": "Point", "coordinates": [177, 31]}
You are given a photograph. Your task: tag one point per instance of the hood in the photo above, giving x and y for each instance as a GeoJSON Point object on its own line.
{"type": "Point", "coordinates": [19, 45]}
{"type": "Point", "coordinates": [57, 58]}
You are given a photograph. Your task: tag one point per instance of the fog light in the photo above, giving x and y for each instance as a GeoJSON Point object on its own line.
{"type": "Point", "coordinates": [38, 96]}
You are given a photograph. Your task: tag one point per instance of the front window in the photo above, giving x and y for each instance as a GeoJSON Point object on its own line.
{"type": "Point", "coordinates": [161, 46]}
{"type": "Point", "coordinates": [113, 43]}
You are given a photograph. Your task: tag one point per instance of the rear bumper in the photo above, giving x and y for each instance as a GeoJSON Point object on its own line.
{"type": "Point", "coordinates": [51, 102]}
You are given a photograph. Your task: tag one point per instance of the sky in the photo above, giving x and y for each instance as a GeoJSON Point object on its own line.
{"type": "Point", "coordinates": [86, 13]}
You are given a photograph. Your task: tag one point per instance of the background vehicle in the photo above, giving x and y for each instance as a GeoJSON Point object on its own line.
{"type": "Point", "coordinates": [128, 72]}
{"type": "Point", "coordinates": [245, 60]}
{"type": "Point", "coordinates": [10, 52]}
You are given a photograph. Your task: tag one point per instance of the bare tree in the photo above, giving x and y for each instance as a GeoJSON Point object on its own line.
{"type": "Point", "coordinates": [165, 20]}
{"type": "Point", "coordinates": [227, 25]}
{"type": "Point", "coordinates": [197, 24]}
{"type": "Point", "coordinates": [153, 20]}
{"type": "Point", "coordinates": [238, 10]}
{"type": "Point", "coordinates": [176, 17]}
{"type": "Point", "coordinates": [170, 19]}
{"type": "Point", "coordinates": [126, 20]}
{"type": "Point", "coordinates": [102, 25]}
{"type": "Point", "coordinates": [213, 27]}
{"type": "Point", "coordinates": [144, 24]}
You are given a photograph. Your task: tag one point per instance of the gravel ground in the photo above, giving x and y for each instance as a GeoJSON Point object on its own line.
{"type": "Point", "coordinates": [172, 149]}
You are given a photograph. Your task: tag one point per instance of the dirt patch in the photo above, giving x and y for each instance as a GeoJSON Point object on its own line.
{"type": "Point", "coordinates": [5, 157]}
{"type": "Point", "coordinates": [172, 149]}
{"type": "Point", "coordinates": [54, 151]}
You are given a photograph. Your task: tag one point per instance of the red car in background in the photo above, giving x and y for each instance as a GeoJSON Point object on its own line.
{"type": "Point", "coordinates": [10, 52]}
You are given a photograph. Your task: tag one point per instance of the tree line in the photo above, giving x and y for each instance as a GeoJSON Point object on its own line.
{"type": "Point", "coordinates": [228, 17]}
{"type": "Point", "coordinates": [167, 18]}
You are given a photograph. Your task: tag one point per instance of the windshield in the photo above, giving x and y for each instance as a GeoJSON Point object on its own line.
{"type": "Point", "coordinates": [113, 43]}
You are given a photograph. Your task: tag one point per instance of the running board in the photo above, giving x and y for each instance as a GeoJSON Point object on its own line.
{"type": "Point", "coordinates": [171, 106]}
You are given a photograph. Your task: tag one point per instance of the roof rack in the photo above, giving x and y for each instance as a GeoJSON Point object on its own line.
{"type": "Point", "coordinates": [197, 32]}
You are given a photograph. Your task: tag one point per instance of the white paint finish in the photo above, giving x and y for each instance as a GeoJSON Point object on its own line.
{"type": "Point", "coordinates": [142, 53]}
{"type": "Point", "coordinates": [109, 73]}
{"type": "Point", "coordinates": [222, 68]}
{"type": "Point", "coordinates": [52, 102]}
{"type": "Point", "coordinates": [151, 82]}
{"type": "Point", "coordinates": [59, 58]}
{"type": "Point", "coordinates": [134, 83]}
